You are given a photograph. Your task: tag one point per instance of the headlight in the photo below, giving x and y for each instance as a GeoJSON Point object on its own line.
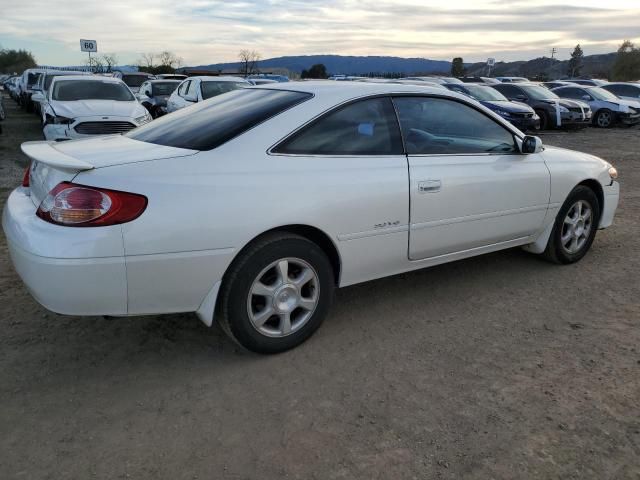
{"type": "Point", "coordinates": [563, 109]}
{"type": "Point", "coordinates": [503, 113]}
{"type": "Point", "coordinates": [613, 173]}
{"type": "Point", "coordinates": [50, 119]}
{"type": "Point", "coordinates": [623, 108]}
{"type": "Point", "coordinates": [144, 118]}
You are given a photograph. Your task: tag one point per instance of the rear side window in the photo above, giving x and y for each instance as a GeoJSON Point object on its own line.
{"type": "Point", "coordinates": [209, 124]}
{"type": "Point", "coordinates": [367, 127]}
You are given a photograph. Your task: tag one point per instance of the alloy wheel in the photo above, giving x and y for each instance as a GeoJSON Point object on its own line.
{"type": "Point", "coordinates": [283, 297]}
{"type": "Point", "coordinates": [604, 119]}
{"type": "Point", "coordinates": [577, 227]}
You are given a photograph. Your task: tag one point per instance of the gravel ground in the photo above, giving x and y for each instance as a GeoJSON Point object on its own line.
{"type": "Point", "coordinates": [502, 366]}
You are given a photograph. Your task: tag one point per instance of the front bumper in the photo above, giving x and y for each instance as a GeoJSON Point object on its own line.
{"type": "Point", "coordinates": [611, 198]}
{"type": "Point", "coordinates": [68, 270]}
{"type": "Point", "coordinates": [629, 118]}
{"type": "Point", "coordinates": [575, 119]}
{"type": "Point", "coordinates": [526, 123]}
{"type": "Point", "coordinates": [59, 132]}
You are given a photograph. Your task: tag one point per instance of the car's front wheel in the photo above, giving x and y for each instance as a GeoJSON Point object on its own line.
{"type": "Point", "coordinates": [604, 118]}
{"type": "Point", "coordinates": [575, 227]}
{"type": "Point", "coordinates": [277, 293]}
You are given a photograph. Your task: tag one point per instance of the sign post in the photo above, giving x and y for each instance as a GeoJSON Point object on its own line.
{"type": "Point", "coordinates": [490, 63]}
{"type": "Point", "coordinates": [88, 46]}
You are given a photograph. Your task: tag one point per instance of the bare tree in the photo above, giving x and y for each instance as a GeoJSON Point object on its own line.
{"type": "Point", "coordinates": [169, 59]}
{"type": "Point", "coordinates": [95, 64]}
{"type": "Point", "coordinates": [110, 60]}
{"type": "Point", "coordinates": [249, 62]}
{"type": "Point", "coordinates": [147, 60]}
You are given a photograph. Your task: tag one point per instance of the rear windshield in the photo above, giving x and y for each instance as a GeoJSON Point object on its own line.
{"type": "Point", "coordinates": [209, 124]}
{"type": "Point", "coordinates": [213, 89]}
{"type": "Point", "coordinates": [71, 90]}
{"type": "Point", "coordinates": [135, 80]}
{"type": "Point", "coordinates": [164, 88]}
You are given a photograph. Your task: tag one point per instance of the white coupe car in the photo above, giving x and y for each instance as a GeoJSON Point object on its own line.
{"type": "Point", "coordinates": [83, 106]}
{"type": "Point", "coordinates": [197, 89]}
{"type": "Point", "coordinates": [252, 207]}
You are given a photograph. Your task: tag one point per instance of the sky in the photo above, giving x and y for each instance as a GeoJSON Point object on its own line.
{"type": "Point", "coordinates": [213, 31]}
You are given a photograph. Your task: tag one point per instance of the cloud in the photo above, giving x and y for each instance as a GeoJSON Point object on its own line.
{"type": "Point", "coordinates": [211, 31]}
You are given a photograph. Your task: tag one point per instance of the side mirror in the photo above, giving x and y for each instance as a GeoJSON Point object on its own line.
{"type": "Point", "coordinates": [586, 97]}
{"type": "Point", "coordinates": [37, 97]}
{"type": "Point", "coordinates": [520, 98]}
{"type": "Point", "coordinates": [531, 144]}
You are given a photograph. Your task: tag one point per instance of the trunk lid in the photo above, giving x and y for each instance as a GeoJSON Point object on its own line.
{"type": "Point", "coordinates": [52, 163]}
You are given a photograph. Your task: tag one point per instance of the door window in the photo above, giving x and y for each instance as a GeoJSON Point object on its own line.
{"type": "Point", "coordinates": [182, 91]}
{"type": "Point", "coordinates": [572, 92]}
{"type": "Point", "coordinates": [509, 91]}
{"type": "Point", "coordinates": [366, 127]}
{"type": "Point", "coordinates": [436, 126]}
{"type": "Point", "coordinates": [192, 91]}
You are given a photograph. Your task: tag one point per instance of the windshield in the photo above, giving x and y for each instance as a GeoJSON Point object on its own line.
{"type": "Point", "coordinates": [134, 80]}
{"type": "Point", "coordinates": [164, 88]}
{"type": "Point", "coordinates": [33, 79]}
{"type": "Point", "coordinates": [602, 94]}
{"type": "Point", "coordinates": [209, 124]}
{"type": "Point", "coordinates": [485, 93]}
{"type": "Point", "coordinates": [538, 93]}
{"type": "Point", "coordinates": [72, 90]}
{"type": "Point", "coordinates": [49, 78]}
{"type": "Point", "coordinates": [212, 89]}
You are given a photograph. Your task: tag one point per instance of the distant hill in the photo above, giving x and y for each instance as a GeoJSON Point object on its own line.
{"type": "Point", "coordinates": [597, 66]}
{"type": "Point", "coordinates": [348, 65]}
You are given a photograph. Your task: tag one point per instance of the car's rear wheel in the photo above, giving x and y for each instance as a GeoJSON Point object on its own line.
{"type": "Point", "coordinates": [603, 119]}
{"type": "Point", "coordinates": [277, 293]}
{"type": "Point", "coordinates": [544, 119]}
{"type": "Point", "coordinates": [575, 227]}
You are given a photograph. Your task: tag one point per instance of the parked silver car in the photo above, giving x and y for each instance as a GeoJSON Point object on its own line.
{"type": "Point", "coordinates": [608, 109]}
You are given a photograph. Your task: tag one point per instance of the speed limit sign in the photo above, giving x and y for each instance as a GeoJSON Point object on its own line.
{"type": "Point", "coordinates": [88, 45]}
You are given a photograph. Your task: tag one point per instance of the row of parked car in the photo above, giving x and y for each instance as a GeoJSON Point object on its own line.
{"type": "Point", "coordinates": [73, 104]}
{"type": "Point", "coordinates": [572, 104]}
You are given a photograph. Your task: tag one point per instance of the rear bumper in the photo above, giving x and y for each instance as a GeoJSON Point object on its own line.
{"type": "Point", "coordinates": [62, 267]}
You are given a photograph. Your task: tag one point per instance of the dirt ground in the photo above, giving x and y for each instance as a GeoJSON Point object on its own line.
{"type": "Point", "coordinates": [502, 366]}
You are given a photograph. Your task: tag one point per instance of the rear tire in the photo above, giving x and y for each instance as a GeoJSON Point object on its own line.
{"type": "Point", "coordinates": [575, 227]}
{"type": "Point", "coordinates": [276, 293]}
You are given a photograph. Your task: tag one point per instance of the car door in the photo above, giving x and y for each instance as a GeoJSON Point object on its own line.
{"type": "Point", "coordinates": [470, 186]}
{"type": "Point", "coordinates": [352, 158]}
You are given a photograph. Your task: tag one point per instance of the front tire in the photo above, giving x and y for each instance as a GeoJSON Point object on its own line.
{"type": "Point", "coordinates": [276, 293]}
{"type": "Point", "coordinates": [575, 227]}
{"type": "Point", "coordinates": [544, 119]}
{"type": "Point", "coordinates": [603, 119]}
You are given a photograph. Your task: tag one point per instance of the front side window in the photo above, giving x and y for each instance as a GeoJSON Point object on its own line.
{"type": "Point", "coordinates": [207, 125]}
{"type": "Point", "coordinates": [572, 92]}
{"type": "Point", "coordinates": [212, 89]}
{"type": "Point", "coordinates": [72, 90]}
{"type": "Point", "coordinates": [509, 91]}
{"type": "Point", "coordinates": [366, 127]}
{"type": "Point", "coordinates": [538, 93]}
{"type": "Point", "coordinates": [436, 126]}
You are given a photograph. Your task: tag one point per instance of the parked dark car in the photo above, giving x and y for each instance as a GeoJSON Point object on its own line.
{"type": "Point", "coordinates": [608, 110]}
{"type": "Point", "coordinates": [626, 90]}
{"type": "Point", "coordinates": [519, 114]}
{"type": "Point", "coordinates": [153, 95]}
{"type": "Point", "coordinates": [554, 112]}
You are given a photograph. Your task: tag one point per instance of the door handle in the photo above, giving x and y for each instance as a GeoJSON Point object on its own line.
{"type": "Point", "coordinates": [429, 186]}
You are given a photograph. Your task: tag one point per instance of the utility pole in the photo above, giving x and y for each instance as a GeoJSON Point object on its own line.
{"type": "Point", "coordinates": [554, 50]}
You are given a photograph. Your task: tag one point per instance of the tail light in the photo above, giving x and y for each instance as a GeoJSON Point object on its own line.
{"type": "Point", "coordinates": [75, 205]}
{"type": "Point", "coordinates": [25, 178]}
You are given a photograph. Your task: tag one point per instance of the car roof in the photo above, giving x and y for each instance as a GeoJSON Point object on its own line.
{"type": "Point", "coordinates": [343, 91]}
{"type": "Point", "coordinates": [221, 78]}
{"type": "Point", "coordinates": [165, 80]}
{"type": "Point", "coordinates": [89, 77]}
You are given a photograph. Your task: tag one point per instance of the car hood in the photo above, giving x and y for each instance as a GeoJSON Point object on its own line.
{"type": "Point", "coordinates": [106, 151]}
{"type": "Point", "coordinates": [512, 107]}
{"type": "Point", "coordinates": [628, 103]}
{"type": "Point", "coordinates": [92, 108]}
